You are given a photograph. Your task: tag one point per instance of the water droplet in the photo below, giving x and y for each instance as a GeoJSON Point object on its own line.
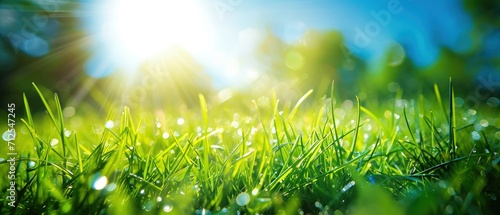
{"type": "Point", "coordinates": [459, 101]}
{"type": "Point", "coordinates": [67, 133]}
{"type": "Point", "coordinates": [398, 55]}
{"type": "Point", "coordinates": [159, 199]}
{"type": "Point", "coordinates": [168, 208]}
{"type": "Point", "coordinates": [111, 187]}
{"type": "Point", "coordinates": [109, 124]}
{"type": "Point", "coordinates": [2, 159]}
{"type": "Point", "coordinates": [387, 114]}
{"type": "Point", "coordinates": [217, 147]}
{"type": "Point", "coordinates": [54, 142]}
{"type": "Point", "coordinates": [142, 192]}
{"type": "Point", "coordinates": [100, 183]}
{"type": "Point", "coordinates": [242, 199]}
{"type": "Point", "coordinates": [31, 164]}
{"type": "Point", "coordinates": [166, 135]}
{"type": "Point", "coordinates": [472, 112]}
{"type": "Point", "coordinates": [396, 116]}
{"type": "Point", "coordinates": [255, 191]}
{"type": "Point", "coordinates": [158, 124]}
{"type": "Point", "coordinates": [484, 123]}
{"type": "Point", "coordinates": [367, 127]}
{"type": "Point", "coordinates": [475, 135]}
{"type": "Point", "coordinates": [9, 135]}
{"type": "Point", "coordinates": [318, 204]}
{"type": "Point", "coordinates": [371, 179]}
{"type": "Point", "coordinates": [347, 104]}
{"type": "Point", "coordinates": [493, 102]}
{"type": "Point", "coordinates": [180, 121]}
{"type": "Point", "coordinates": [235, 124]}
{"type": "Point", "coordinates": [348, 186]}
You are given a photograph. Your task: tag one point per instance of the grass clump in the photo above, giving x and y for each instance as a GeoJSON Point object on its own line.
{"type": "Point", "coordinates": [416, 156]}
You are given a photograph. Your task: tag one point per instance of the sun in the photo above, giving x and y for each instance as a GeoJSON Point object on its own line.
{"type": "Point", "coordinates": [136, 30]}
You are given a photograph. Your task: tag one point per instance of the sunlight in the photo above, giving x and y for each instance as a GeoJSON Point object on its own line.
{"type": "Point", "coordinates": [136, 31]}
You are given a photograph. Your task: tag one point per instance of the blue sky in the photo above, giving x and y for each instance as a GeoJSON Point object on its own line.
{"type": "Point", "coordinates": [421, 27]}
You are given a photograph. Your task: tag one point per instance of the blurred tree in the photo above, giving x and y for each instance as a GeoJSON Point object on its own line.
{"type": "Point", "coordinates": [313, 63]}
{"type": "Point", "coordinates": [484, 12]}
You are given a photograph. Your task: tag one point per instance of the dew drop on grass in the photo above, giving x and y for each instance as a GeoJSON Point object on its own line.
{"type": "Point", "coordinates": [398, 55]}
{"type": "Point", "coordinates": [214, 147]}
{"type": "Point", "coordinates": [348, 104]}
{"type": "Point", "coordinates": [387, 114]}
{"type": "Point", "coordinates": [475, 135]}
{"type": "Point", "coordinates": [31, 164]}
{"type": "Point", "coordinates": [472, 112]}
{"type": "Point", "coordinates": [168, 208]}
{"type": "Point", "coordinates": [109, 124]}
{"type": "Point", "coordinates": [180, 121]}
{"type": "Point", "coordinates": [484, 123]}
{"type": "Point", "coordinates": [318, 204]}
{"type": "Point", "coordinates": [159, 199]}
{"type": "Point", "coordinates": [142, 192]}
{"type": "Point", "coordinates": [54, 142]}
{"type": "Point", "coordinates": [255, 191]}
{"type": "Point", "coordinates": [100, 183]}
{"type": "Point", "coordinates": [348, 186]}
{"type": "Point", "coordinates": [2, 159]}
{"type": "Point", "coordinates": [459, 101]}
{"type": "Point", "coordinates": [367, 127]}
{"type": "Point", "coordinates": [242, 199]}
{"type": "Point", "coordinates": [9, 135]}
{"type": "Point", "coordinates": [165, 135]}
{"type": "Point", "coordinates": [111, 187]}
{"type": "Point", "coordinates": [371, 179]}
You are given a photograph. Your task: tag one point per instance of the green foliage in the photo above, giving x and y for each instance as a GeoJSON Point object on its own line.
{"type": "Point", "coordinates": [266, 156]}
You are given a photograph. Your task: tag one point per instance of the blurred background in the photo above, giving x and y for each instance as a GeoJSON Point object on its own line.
{"type": "Point", "coordinates": [159, 53]}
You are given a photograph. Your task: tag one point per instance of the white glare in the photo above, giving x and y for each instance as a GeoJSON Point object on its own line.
{"type": "Point", "coordinates": [140, 29]}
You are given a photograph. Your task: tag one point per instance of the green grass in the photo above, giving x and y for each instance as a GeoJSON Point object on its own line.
{"type": "Point", "coordinates": [325, 155]}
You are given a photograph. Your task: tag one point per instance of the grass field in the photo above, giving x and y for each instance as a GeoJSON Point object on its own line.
{"type": "Point", "coordinates": [323, 155]}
